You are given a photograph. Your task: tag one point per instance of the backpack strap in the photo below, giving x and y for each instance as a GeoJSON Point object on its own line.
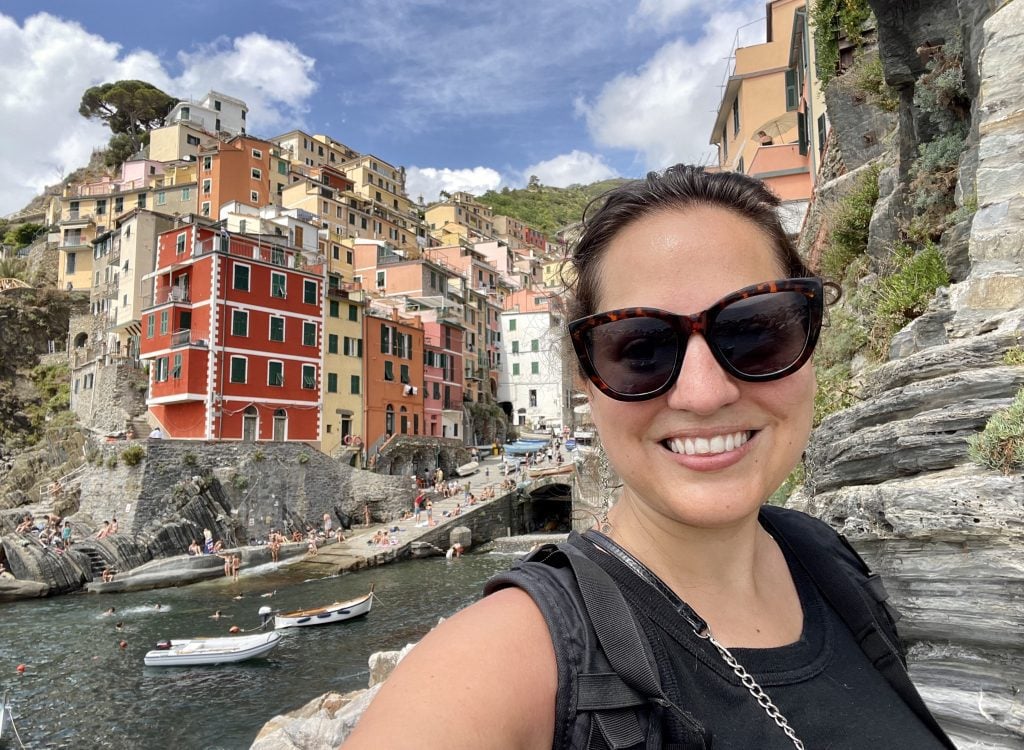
{"type": "Point", "coordinates": [856, 594]}
{"type": "Point", "coordinates": [618, 683]}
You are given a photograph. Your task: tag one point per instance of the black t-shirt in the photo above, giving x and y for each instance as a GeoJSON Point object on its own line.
{"type": "Point", "coordinates": [823, 684]}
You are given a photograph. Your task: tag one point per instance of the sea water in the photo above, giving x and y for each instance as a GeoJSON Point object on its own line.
{"type": "Point", "coordinates": [81, 689]}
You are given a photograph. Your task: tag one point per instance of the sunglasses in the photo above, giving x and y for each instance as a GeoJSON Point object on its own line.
{"type": "Point", "coordinates": [759, 333]}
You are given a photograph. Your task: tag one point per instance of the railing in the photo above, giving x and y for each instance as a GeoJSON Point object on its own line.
{"type": "Point", "coordinates": [274, 254]}
{"type": "Point", "coordinates": [75, 217]}
{"type": "Point", "coordinates": [166, 294]}
{"type": "Point", "coordinates": [188, 337]}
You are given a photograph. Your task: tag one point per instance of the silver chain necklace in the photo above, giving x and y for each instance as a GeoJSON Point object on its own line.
{"type": "Point", "coordinates": [700, 628]}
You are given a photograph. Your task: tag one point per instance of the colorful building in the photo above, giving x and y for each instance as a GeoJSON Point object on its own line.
{"type": "Point", "coordinates": [232, 333]}
{"type": "Point", "coordinates": [393, 374]}
{"type": "Point", "coordinates": [247, 170]}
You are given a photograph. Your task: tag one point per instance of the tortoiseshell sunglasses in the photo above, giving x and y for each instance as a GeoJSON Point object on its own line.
{"type": "Point", "coordinates": [761, 332]}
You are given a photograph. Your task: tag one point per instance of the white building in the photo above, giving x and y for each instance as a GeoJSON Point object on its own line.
{"type": "Point", "coordinates": [532, 378]}
{"type": "Point", "coordinates": [218, 114]}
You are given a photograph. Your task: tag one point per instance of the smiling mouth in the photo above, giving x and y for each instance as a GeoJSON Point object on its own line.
{"type": "Point", "coordinates": [708, 446]}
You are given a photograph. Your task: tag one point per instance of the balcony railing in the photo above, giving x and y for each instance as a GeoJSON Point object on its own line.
{"type": "Point", "coordinates": [189, 337]}
{"type": "Point", "coordinates": [75, 217]}
{"type": "Point", "coordinates": [167, 294]}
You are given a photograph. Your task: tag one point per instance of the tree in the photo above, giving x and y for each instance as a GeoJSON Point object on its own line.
{"type": "Point", "coordinates": [130, 108]}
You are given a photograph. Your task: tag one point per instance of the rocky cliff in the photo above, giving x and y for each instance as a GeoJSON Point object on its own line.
{"type": "Point", "coordinates": [892, 472]}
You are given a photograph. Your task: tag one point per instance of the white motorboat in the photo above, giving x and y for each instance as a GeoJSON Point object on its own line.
{"type": "Point", "coordinates": [224, 650]}
{"type": "Point", "coordinates": [337, 612]}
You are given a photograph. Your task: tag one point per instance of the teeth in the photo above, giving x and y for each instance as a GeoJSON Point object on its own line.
{"type": "Point", "coordinates": [706, 446]}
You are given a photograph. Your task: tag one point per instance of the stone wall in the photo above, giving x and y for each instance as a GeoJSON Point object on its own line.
{"type": "Point", "coordinates": [495, 519]}
{"type": "Point", "coordinates": [116, 394]}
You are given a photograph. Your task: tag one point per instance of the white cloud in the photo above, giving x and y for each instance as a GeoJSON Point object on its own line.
{"type": "Point", "coordinates": [574, 168]}
{"type": "Point", "coordinates": [49, 62]}
{"type": "Point", "coordinates": [428, 182]}
{"type": "Point", "coordinates": [659, 13]}
{"type": "Point", "coordinates": [665, 110]}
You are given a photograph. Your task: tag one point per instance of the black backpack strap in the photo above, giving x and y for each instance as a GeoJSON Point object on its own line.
{"type": "Point", "coordinates": [855, 593]}
{"type": "Point", "coordinates": [624, 697]}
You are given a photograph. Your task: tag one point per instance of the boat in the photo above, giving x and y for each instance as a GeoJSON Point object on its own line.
{"type": "Point", "coordinates": [466, 469]}
{"type": "Point", "coordinates": [224, 650]}
{"type": "Point", "coordinates": [551, 471]}
{"type": "Point", "coordinates": [336, 612]}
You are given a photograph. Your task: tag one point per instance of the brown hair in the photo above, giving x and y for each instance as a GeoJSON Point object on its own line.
{"type": "Point", "coordinates": [679, 186]}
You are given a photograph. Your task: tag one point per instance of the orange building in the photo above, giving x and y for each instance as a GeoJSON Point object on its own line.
{"type": "Point", "coordinates": [233, 335]}
{"type": "Point", "coordinates": [393, 373]}
{"type": "Point", "coordinates": [244, 169]}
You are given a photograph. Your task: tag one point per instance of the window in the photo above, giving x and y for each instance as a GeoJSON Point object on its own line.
{"type": "Point", "coordinates": [282, 168]}
{"type": "Point", "coordinates": [186, 193]}
{"type": "Point", "coordinates": [389, 369]}
{"type": "Point", "coordinates": [205, 209]}
{"type": "Point", "coordinates": [335, 308]}
{"type": "Point", "coordinates": [150, 325]}
{"type": "Point", "coordinates": [309, 289]}
{"type": "Point", "coordinates": [533, 397]}
{"type": "Point", "coordinates": [216, 104]}
{"type": "Point", "coordinates": [515, 368]}
{"type": "Point", "coordinates": [515, 347]}
{"type": "Point", "coordinates": [240, 277]}
{"type": "Point", "coordinates": [309, 376]}
{"type": "Point", "coordinates": [207, 186]}
{"type": "Point", "coordinates": [332, 383]}
{"type": "Point", "coordinates": [403, 373]}
{"type": "Point", "coordinates": [179, 244]}
{"type": "Point", "coordinates": [256, 174]}
{"type": "Point", "coordinates": [382, 279]}
{"type": "Point", "coordinates": [385, 339]}
{"type": "Point", "coordinates": [239, 323]}
{"type": "Point", "coordinates": [254, 197]}
{"type": "Point", "coordinates": [792, 94]}
{"type": "Point", "coordinates": [535, 368]}
{"type": "Point", "coordinates": [354, 385]}
{"type": "Point", "coordinates": [69, 266]}
{"type": "Point", "coordinates": [160, 372]}
{"type": "Point", "coordinates": [353, 347]}
{"type": "Point", "coordinates": [207, 163]}
{"type": "Point", "coordinates": [512, 324]}
{"type": "Point", "coordinates": [276, 328]}
{"type": "Point", "coordinates": [332, 343]}
{"type": "Point", "coordinates": [119, 204]}
{"type": "Point", "coordinates": [353, 313]}
{"type": "Point", "coordinates": [257, 154]}
{"type": "Point", "coordinates": [275, 373]}
{"type": "Point", "coordinates": [191, 140]}
{"type": "Point", "coordinates": [216, 124]}
{"type": "Point", "coordinates": [534, 345]}
{"type": "Point", "coordinates": [278, 285]}
{"type": "Point", "coordinates": [161, 198]}
{"type": "Point", "coordinates": [176, 367]}
{"type": "Point", "coordinates": [736, 116]}
{"type": "Point", "coordinates": [239, 365]}
{"type": "Point", "coordinates": [163, 322]}
{"type": "Point", "coordinates": [308, 333]}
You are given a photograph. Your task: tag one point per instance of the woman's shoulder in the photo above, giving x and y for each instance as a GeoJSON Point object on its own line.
{"type": "Point", "coordinates": [484, 678]}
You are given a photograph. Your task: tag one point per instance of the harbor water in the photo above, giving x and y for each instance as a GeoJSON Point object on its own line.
{"type": "Point", "coordinates": [81, 689]}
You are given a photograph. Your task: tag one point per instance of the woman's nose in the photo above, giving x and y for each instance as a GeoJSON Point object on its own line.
{"type": "Point", "coordinates": [703, 386]}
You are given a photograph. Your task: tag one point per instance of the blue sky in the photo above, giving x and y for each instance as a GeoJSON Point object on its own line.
{"type": "Point", "coordinates": [465, 96]}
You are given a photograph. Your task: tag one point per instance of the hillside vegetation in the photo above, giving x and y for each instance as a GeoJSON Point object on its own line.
{"type": "Point", "coordinates": [546, 208]}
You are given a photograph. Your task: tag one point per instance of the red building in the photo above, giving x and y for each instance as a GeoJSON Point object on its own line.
{"type": "Point", "coordinates": [442, 378]}
{"type": "Point", "coordinates": [233, 334]}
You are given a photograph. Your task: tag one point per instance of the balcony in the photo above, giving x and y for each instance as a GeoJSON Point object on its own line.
{"type": "Point", "coordinates": [74, 217]}
{"type": "Point", "coordinates": [188, 337]}
{"type": "Point", "coordinates": [172, 294]}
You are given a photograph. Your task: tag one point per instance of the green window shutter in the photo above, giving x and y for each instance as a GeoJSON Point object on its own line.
{"type": "Point", "coordinates": [792, 93]}
{"type": "Point", "coordinates": [801, 129]}
{"type": "Point", "coordinates": [332, 343]}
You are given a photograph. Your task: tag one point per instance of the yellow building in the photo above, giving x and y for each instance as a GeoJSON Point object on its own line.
{"type": "Point", "coordinates": [380, 191]}
{"type": "Point", "coordinates": [760, 129]}
{"type": "Point", "coordinates": [178, 141]}
{"type": "Point", "coordinates": [343, 386]}
{"type": "Point", "coordinates": [459, 219]}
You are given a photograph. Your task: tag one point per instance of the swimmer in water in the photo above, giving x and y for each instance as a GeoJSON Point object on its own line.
{"type": "Point", "coordinates": [109, 612]}
{"type": "Point", "coordinates": [216, 615]}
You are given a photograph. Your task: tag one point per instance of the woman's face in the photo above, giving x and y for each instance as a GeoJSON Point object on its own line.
{"type": "Point", "coordinates": [712, 449]}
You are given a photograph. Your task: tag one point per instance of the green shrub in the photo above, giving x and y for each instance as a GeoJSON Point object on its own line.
{"type": "Point", "coordinates": [1014, 356]}
{"type": "Point", "coordinates": [841, 338]}
{"type": "Point", "coordinates": [834, 391]}
{"type": "Point", "coordinates": [112, 462]}
{"type": "Point", "coordinates": [190, 459]}
{"type": "Point", "coordinates": [829, 18]}
{"type": "Point", "coordinates": [849, 220]}
{"type": "Point", "coordinates": [904, 294]}
{"type": "Point", "coordinates": [303, 458]}
{"type": "Point", "coordinates": [258, 455]}
{"type": "Point", "coordinates": [133, 455]}
{"type": "Point", "coordinates": [1001, 444]}
{"type": "Point", "coordinates": [868, 77]}
{"type": "Point", "coordinates": [239, 482]}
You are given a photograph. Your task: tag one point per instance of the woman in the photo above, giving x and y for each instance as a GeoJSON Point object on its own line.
{"type": "Point", "coordinates": [693, 321]}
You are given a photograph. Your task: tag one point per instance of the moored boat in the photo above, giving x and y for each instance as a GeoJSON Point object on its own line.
{"type": "Point", "coordinates": [551, 471]}
{"type": "Point", "coordinates": [224, 650]}
{"type": "Point", "coordinates": [466, 469]}
{"type": "Point", "coordinates": [336, 612]}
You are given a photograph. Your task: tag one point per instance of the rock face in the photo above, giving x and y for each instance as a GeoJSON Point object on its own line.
{"type": "Point", "coordinates": [892, 473]}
